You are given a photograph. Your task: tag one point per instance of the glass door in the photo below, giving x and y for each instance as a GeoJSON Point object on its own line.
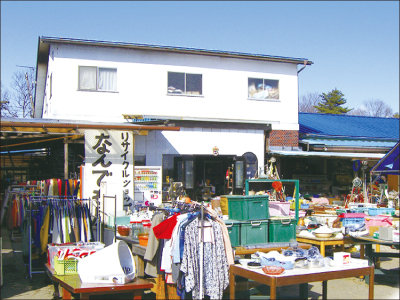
{"type": "Point", "coordinates": [239, 175]}
{"type": "Point", "coordinates": [184, 172]}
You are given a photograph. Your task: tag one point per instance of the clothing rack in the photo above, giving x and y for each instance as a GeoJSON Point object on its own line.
{"type": "Point", "coordinates": [201, 245]}
{"type": "Point", "coordinates": [38, 199]}
{"type": "Point", "coordinates": [201, 249]}
{"type": "Point", "coordinates": [16, 189]}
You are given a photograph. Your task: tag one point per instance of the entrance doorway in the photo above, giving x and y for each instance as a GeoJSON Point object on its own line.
{"type": "Point", "coordinates": [206, 174]}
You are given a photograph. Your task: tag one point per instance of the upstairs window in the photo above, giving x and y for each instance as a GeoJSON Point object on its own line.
{"type": "Point", "coordinates": [263, 88]}
{"type": "Point", "coordinates": [184, 83]}
{"type": "Point", "coordinates": [97, 79]}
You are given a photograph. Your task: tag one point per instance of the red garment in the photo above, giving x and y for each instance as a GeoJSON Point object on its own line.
{"type": "Point", "coordinates": [165, 228]}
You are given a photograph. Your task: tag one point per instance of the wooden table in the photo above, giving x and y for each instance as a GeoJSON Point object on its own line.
{"type": "Point", "coordinates": [322, 242]}
{"type": "Point", "coordinates": [72, 284]}
{"type": "Point", "coordinates": [302, 277]}
{"type": "Point", "coordinates": [374, 256]}
{"type": "Point", "coordinates": [247, 252]}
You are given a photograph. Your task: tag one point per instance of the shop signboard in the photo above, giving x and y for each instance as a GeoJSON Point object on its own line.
{"type": "Point", "coordinates": [109, 168]}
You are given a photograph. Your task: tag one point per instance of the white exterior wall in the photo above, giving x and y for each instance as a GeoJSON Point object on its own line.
{"type": "Point", "coordinates": [199, 141]}
{"type": "Point", "coordinates": [142, 87]}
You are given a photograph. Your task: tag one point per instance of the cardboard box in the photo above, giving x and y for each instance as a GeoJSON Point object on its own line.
{"type": "Point", "coordinates": [215, 203]}
{"type": "Point", "coordinates": [395, 236]}
{"type": "Point", "coordinates": [341, 258]}
{"type": "Point", "coordinates": [386, 233]}
{"type": "Point", "coordinates": [373, 229]}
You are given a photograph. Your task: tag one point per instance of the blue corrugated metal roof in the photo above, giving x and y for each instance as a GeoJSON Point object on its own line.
{"type": "Point", "coordinates": [332, 125]}
{"type": "Point", "coordinates": [350, 143]}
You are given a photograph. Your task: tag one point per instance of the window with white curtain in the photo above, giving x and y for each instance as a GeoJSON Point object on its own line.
{"type": "Point", "coordinates": [97, 79]}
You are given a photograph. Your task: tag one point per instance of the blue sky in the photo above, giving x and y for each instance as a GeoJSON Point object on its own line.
{"type": "Point", "coordinates": [354, 44]}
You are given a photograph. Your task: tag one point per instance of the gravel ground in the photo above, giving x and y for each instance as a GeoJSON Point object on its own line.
{"type": "Point", "coordinates": [17, 286]}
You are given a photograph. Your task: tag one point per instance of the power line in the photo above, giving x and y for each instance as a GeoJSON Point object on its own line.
{"type": "Point", "coordinates": [25, 67]}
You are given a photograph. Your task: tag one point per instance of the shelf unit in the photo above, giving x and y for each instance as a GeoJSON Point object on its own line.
{"type": "Point", "coordinates": [313, 183]}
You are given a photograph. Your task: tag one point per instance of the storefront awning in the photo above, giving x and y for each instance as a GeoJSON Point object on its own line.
{"type": "Point", "coordinates": [361, 156]}
{"type": "Point", "coordinates": [389, 164]}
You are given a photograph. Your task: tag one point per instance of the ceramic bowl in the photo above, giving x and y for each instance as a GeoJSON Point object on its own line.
{"type": "Point", "coordinates": [273, 270]}
{"type": "Point", "coordinates": [322, 235]}
{"type": "Point", "coordinates": [123, 230]}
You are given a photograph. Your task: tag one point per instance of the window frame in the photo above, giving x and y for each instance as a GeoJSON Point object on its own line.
{"type": "Point", "coordinates": [97, 80]}
{"type": "Point", "coordinates": [264, 83]}
{"type": "Point", "coordinates": [185, 92]}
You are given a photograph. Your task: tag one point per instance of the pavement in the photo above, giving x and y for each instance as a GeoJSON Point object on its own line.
{"type": "Point", "coordinates": [17, 285]}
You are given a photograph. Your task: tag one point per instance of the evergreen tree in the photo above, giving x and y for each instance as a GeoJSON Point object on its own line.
{"type": "Point", "coordinates": [331, 103]}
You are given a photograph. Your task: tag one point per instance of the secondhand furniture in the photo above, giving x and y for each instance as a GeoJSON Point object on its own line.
{"type": "Point", "coordinates": [72, 284]}
{"type": "Point", "coordinates": [302, 277]}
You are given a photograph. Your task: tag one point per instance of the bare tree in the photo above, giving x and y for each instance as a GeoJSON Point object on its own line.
{"type": "Point", "coordinates": [358, 112]}
{"type": "Point", "coordinates": [374, 108]}
{"type": "Point", "coordinates": [6, 108]}
{"type": "Point", "coordinates": [24, 87]}
{"type": "Point", "coordinates": [308, 102]}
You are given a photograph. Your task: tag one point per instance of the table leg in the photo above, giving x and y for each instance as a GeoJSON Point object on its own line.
{"type": "Point", "coordinates": [66, 294]}
{"type": "Point", "coordinates": [362, 254]}
{"type": "Point", "coordinates": [304, 291]}
{"type": "Point", "coordinates": [371, 283]}
{"type": "Point", "coordinates": [140, 263]}
{"type": "Point", "coordinates": [84, 296]}
{"type": "Point", "coordinates": [324, 289]}
{"type": "Point", "coordinates": [137, 294]}
{"type": "Point", "coordinates": [272, 294]}
{"type": "Point", "coordinates": [232, 285]}
{"type": "Point", "coordinates": [368, 253]}
{"type": "Point", "coordinates": [56, 294]}
{"type": "Point", "coordinates": [322, 248]}
{"type": "Point", "coordinates": [362, 251]}
{"type": "Point", "coordinates": [378, 260]}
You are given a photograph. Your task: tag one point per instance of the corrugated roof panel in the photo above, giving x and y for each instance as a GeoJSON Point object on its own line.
{"type": "Point", "coordinates": [349, 143]}
{"type": "Point", "coordinates": [329, 154]}
{"type": "Point", "coordinates": [350, 126]}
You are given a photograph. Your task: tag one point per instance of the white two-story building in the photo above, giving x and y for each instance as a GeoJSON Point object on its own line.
{"type": "Point", "coordinates": [230, 106]}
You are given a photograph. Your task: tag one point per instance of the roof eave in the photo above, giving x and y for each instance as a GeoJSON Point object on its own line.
{"type": "Point", "coordinates": [298, 61]}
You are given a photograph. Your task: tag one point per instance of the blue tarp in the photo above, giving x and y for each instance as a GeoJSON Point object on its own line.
{"type": "Point", "coordinates": [389, 164]}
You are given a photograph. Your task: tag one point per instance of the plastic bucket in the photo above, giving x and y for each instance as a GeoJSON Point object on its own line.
{"type": "Point", "coordinates": [112, 264]}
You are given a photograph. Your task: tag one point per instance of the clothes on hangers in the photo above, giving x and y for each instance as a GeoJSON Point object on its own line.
{"type": "Point", "coordinates": [165, 228]}
{"type": "Point", "coordinates": [215, 265]}
{"type": "Point", "coordinates": [152, 249]}
{"type": "Point", "coordinates": [44, 231]}
{"type": "Point", "coordinates": [227, 240]}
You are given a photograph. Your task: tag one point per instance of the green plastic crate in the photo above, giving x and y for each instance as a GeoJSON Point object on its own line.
{"type": "Point", "coordinates": [254, 232]}
{"type": "Point", "coordinates": [233, 227]}
{"type": "Point", "coordinates": [248, 208]}
{"type": "Point", "coordinates": [282, 229]}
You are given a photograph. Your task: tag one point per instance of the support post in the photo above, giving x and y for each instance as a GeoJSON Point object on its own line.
{"type": "Point", "coordinates": [65, 160]}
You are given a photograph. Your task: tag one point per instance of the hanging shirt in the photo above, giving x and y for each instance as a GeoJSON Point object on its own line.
{"type": "Point", "coordinates": [44, 231]}
{"type": "Point", "coordinates": [166, 257]}
{"type": "Point", "coordinates": [215, 266]}
{"type": "Point", "coordinates": [165, 228]}
{"type": "Point", "coordinates": [56, 227]}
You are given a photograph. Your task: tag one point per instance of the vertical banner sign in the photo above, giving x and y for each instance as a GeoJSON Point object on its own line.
{"type": "Point", "coordinates": [109, 168]}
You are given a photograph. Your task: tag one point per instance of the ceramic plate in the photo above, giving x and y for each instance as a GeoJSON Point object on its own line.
{"type": "Point", "coordinates": [254, 267]}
